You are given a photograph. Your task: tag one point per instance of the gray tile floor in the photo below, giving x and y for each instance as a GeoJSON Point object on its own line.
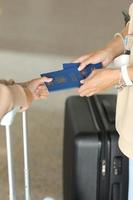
{"type": "Point", "coordinates": [37, 36]}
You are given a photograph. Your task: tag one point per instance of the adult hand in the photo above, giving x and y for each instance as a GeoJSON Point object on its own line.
{"type": "Point", "coordinates": [98, 81]}
{"type": "Point", "coordinates": [104, 56]}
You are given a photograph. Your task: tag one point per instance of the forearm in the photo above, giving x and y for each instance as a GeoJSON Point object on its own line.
{"type": "Point", "coordinates": [11, 96]}
{"type": "Point", "coordinates": [116, 45]}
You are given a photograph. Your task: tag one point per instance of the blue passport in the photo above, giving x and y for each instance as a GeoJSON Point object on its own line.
{"type": "Point", "coordinates": [69, 76]}
{"type": "Point", "coordinates": [69, 65]}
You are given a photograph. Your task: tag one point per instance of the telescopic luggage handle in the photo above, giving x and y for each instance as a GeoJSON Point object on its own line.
{"type": "Point", "coordinates": [7, 121]}
{"type": "Point", "coordinates": [8, 118]}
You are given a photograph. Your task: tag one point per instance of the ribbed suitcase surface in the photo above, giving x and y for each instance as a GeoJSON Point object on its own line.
{"type": "Point", "coordinates": [93, 166]}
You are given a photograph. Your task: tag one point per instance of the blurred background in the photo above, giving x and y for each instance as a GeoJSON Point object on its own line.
{"type": "Point", "coordinates": [38, 36]}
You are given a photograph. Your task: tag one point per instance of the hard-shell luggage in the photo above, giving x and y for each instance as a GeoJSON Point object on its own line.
{"type": "Point", "coordinates": [94, 168]}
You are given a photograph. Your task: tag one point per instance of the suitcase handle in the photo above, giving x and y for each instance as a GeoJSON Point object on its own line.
{"type": "Point", "coordinates": [6, 121]}
{"type": "Point", "coordinates": [109, 112]}
{"type": "Point", "coordinates": [8, 118]}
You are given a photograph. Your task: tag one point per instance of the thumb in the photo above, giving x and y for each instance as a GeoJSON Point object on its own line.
{"type": "Point", "coordinates": [39, 81]}
{"type": "Point", "coordinates": [46, 79]}
{"type": "Point", "coordinates": [83, 65]}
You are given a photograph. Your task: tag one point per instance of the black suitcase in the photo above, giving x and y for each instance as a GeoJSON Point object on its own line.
{"type": "Point", "coordinates": [93, 166]}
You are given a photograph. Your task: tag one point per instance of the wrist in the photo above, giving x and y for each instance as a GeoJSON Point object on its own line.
{"type": "Point", "coordinates": [21, 96]}
{"type": "Point", "coordinates": [115, 50]}
{"type": "Point", "coordinates": [29, 95]}
{"type": "Point", "coordinates": [117, 76]}
{"type": "Point", "coordinates": [120, 83]}
{"type": "Point", "coordinates": [125, 75]}
{"type": "Point", "coordinates": [116, 46]}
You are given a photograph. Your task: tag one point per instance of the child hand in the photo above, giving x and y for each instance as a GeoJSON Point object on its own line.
{"type": "Point", "coordinates": [37, 88]}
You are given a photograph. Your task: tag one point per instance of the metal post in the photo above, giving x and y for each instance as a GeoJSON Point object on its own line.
{"type": "Point", "coordinates": [12, 191]}
{"type": "Point", "coordinates": [26, 158]}
{"type": "Point", "coordinates": [6, 121]}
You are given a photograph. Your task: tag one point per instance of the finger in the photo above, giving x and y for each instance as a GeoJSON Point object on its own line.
{"type": "Point", "coordinates": [82, 81]}
{"type": "Point", "coordinates": [39, 81]}
{"type": "Point", "coordinates": [90, 60]}
{"type": "Point", "coordinates": [83, 88]}
{"type": "Point", "coordinates": [42, 87]}
{"type": "Point", "coordinates": [81, 59]}
{"type": "Point", "coordinates": [87, 92]}
{"type": "Point", "coordinates": [88, 85]}
{"type": "Point", "coordinates": [41, 91]}
{"type": "Point", "coordinates": [85, 63]}
{"type": "Point", "coordinates": [85, 85]}
{"type": "Point", "coordinates": [46, 79]}
{"type": "Point", "coordinates": [90, 94]}
{"type": "Point", "coordinates": [41, 96]}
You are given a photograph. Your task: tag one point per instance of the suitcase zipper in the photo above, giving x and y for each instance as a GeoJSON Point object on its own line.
{"type": "Point", "coordinates": [104, 153]}
{"type": "Point", "coordinates": [103, 168]}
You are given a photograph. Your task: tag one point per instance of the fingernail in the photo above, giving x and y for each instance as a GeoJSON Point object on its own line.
{"type": "Point", "coordinates": [82, 81]}
{"type": "Point", "coordinates": [50, 79]}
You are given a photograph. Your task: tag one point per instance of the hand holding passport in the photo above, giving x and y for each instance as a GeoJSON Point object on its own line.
{"type": "Point", "coordinates": [69, 76]}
